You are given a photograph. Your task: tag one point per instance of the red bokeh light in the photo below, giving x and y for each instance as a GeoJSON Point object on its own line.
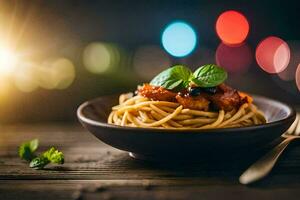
{"type": "Point", "coordinates": [232, 27]}
{"type": "Point", "coordinates": [273, 54]}
{"type": "Point", "coordinates": [234, 59]}
{"type": "Point", "coordinates": [298, 77]}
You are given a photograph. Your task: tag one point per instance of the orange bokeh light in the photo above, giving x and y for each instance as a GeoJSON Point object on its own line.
{"type": "Point", "coordinates": [273, 54]}
{"type": "Point", "coordinates": [232, 27]}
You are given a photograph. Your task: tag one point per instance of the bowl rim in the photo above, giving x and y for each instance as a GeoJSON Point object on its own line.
{"type": "Point", "coordinates": [82, 118]}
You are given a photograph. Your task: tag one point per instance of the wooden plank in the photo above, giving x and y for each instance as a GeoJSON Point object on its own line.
{"type": "Point", "coordinates": [88, 158]}
{"type": "Point", "coordinates": [135, 189]}
{"type": "Point", "coordinates": [94, 170]}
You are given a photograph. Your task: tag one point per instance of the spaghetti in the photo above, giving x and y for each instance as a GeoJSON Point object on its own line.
{"type": "Point", "coordinates": [140, 111]}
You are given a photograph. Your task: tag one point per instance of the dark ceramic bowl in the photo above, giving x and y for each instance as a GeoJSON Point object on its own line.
{"type": "Point", "coordinates": [157, 144]}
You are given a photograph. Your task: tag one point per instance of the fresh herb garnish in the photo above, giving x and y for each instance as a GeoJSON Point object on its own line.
{"type": "Point", "coordinates": [27, 149]}
{"type": "Point", "coordinates": [39, 162]}
{"type": "Point", "coordinates": [27, 152]}
{"type": "Point", "coordinates": [50, 156]}
{"type": "Point", "coordinates": [179, 77]}
{"type": "Point", "coordinates": [209, 76]}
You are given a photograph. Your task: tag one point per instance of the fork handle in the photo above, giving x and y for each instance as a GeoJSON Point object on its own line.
{"type": "Point", "coordinates": [264, 165]}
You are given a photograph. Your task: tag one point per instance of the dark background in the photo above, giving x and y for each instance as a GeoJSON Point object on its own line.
{"type": "Point", "coordinates": [60, 28]}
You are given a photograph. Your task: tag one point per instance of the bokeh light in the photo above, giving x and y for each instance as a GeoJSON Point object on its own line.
{"type": "Point", "coordinates": [26, 77]}
{"type": "Point", "coordinates": [149, 61]}
{"type": "Point", "coordinates": [273, 54]}
{"type": "Point", "coordinates": [56, 74]}
{"type": "Point", "coordinates": [297, 77]}
{"type": "Point", "coordinates": [46, 76]}
{"type": "Point", "coordinates": [179, 39]}
{"type": "Point", "coordinates": [64, 72]}
{"type": "Point", "coordinates": [234, 59]}
{"type": "Point", "coordinates": [289, 73]}
{"type": "Point", "coordinates": [232, 27]}
{"type": "Point", "coordinates": [100, 57]}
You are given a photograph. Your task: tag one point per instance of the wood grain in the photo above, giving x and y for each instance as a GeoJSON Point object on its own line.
{"type": "Point", "coordinates": [94, 170]}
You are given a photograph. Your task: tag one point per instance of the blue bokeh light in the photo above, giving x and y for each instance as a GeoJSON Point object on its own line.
{"type": "Point", "coordinates": [179, 39]}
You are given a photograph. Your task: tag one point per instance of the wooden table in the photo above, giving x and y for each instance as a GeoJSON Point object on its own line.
{"type": "Point", "coordinates": [94, 170]}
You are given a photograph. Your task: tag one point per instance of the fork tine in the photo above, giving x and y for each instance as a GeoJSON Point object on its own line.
{"type": "Point", "coordinates": [294, 125]}
{"type": "Point", "coordinates": [297, 131]}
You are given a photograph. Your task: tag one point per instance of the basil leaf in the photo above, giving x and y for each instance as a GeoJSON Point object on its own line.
{"type": "Point", "coordinates": [27, 149]}
{"type": "Point", "coordinates": [209, 76]}
{"type": "Point", "coordinates": [39, 162]}
{"type": "Point", "coordinates": [177, 77]}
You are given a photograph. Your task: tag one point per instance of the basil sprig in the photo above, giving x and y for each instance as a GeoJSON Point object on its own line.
{"type": "Point", "coordinates": [179, 77]}
{"type": "Point", "coordinates": [27, 152]}
{"type": "Point", "coordinates": [209, 76]}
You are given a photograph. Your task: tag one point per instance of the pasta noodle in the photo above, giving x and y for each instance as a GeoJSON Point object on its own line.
{"type": "Point", "coordinates": [139, 111]}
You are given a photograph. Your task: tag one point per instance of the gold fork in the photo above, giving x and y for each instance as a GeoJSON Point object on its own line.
{"type": "Point", "coordinates": [264, 165]}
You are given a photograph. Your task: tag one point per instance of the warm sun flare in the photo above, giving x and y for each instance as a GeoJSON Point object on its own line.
{"type": "Point", "coordinates": [7, 61]}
